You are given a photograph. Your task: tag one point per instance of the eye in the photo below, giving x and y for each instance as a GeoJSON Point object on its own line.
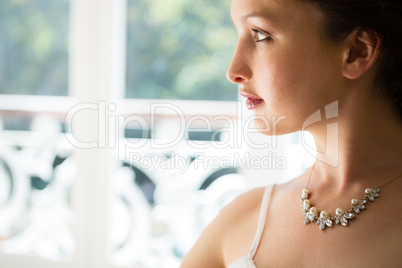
{"type": "Point", "coordinates": [260, 35]}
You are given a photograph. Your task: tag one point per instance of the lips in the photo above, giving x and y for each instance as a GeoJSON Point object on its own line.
{"type": "Point", "coordinates": [252, 101]}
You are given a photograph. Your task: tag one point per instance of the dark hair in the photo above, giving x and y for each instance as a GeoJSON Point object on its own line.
{"type": "Point", "coordinates": [382, 18]}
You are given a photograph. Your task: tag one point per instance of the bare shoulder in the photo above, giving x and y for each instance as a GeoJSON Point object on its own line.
{"type": "Point", "coordinates": [213, 246]}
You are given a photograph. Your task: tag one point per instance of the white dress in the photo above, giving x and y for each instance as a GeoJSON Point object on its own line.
{"type": "Point", "coordinates": [247, 261]}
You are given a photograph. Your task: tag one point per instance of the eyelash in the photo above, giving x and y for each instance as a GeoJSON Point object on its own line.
{"type": "Point", "coordinates": [259, 32]}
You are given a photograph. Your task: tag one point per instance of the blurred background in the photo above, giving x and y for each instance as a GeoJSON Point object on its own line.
{"type": "Point", "coordinates": [120, 137]}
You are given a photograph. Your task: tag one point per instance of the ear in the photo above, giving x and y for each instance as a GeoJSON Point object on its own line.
{"type": "Point", "coordinates": [361, 53]}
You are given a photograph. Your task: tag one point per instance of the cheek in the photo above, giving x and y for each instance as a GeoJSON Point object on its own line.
{"type": "Point", "coordinates": [283, 79]}
{"type": "Point", "coordinates": [288, 88]}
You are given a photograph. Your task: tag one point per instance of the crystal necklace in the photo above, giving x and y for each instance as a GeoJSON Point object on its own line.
{"type": "Point", "coordinates": [324, 219]}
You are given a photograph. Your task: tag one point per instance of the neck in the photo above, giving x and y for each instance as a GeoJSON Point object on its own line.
{"type": "Point", "coordinates": [365, 151]}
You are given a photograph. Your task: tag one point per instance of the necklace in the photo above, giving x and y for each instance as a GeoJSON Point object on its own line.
{"type": "Point", "coordinates": [324, 219]}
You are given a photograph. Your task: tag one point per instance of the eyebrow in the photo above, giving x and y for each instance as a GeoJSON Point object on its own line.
{"type": "Point", "coordinates": [252, 14]}
{"type": "Point", "coordinates": [255, 14]}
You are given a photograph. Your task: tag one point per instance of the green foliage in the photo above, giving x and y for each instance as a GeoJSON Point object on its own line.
{"type": "Point", "coordinates": [179, 49]}
{"type": "Point", "coordinates": [176, 49]}
{"type": "Point", "coordinates": [34, 47]}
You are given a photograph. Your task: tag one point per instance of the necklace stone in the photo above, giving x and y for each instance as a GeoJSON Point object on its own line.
{"type": "Point", "coordinates": [324, 219]}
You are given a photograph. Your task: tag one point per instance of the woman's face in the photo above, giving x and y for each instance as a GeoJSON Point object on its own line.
{"type": "Point", "coordinates": [282, 65]}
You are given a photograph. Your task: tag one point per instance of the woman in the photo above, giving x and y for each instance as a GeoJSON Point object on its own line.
{"type": "Point", "coordinates": [342, 58]}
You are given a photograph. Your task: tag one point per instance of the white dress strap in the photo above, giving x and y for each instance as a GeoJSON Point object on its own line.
{"type": "Point", "coordinates": [261, 222]}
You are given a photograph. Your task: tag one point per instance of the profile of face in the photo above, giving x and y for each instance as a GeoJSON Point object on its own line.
{"type": "Point", "coordinates": [282, 64]}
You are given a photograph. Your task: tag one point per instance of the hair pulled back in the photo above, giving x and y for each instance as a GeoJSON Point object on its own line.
{"type": "Point", "coordinates": [382, 18]}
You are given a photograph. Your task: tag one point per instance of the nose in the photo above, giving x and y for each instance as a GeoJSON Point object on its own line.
{"type": "Point", "coordinates": [239, 70]}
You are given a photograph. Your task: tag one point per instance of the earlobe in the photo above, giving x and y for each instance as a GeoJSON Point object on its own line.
{"type": "Point", "coordinates": [361, 53]}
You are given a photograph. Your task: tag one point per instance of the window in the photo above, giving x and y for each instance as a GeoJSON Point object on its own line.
{"type": "Point", "coordinates": [34, 47]}
{"type": "Point", "coordinates": [179, 49]}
